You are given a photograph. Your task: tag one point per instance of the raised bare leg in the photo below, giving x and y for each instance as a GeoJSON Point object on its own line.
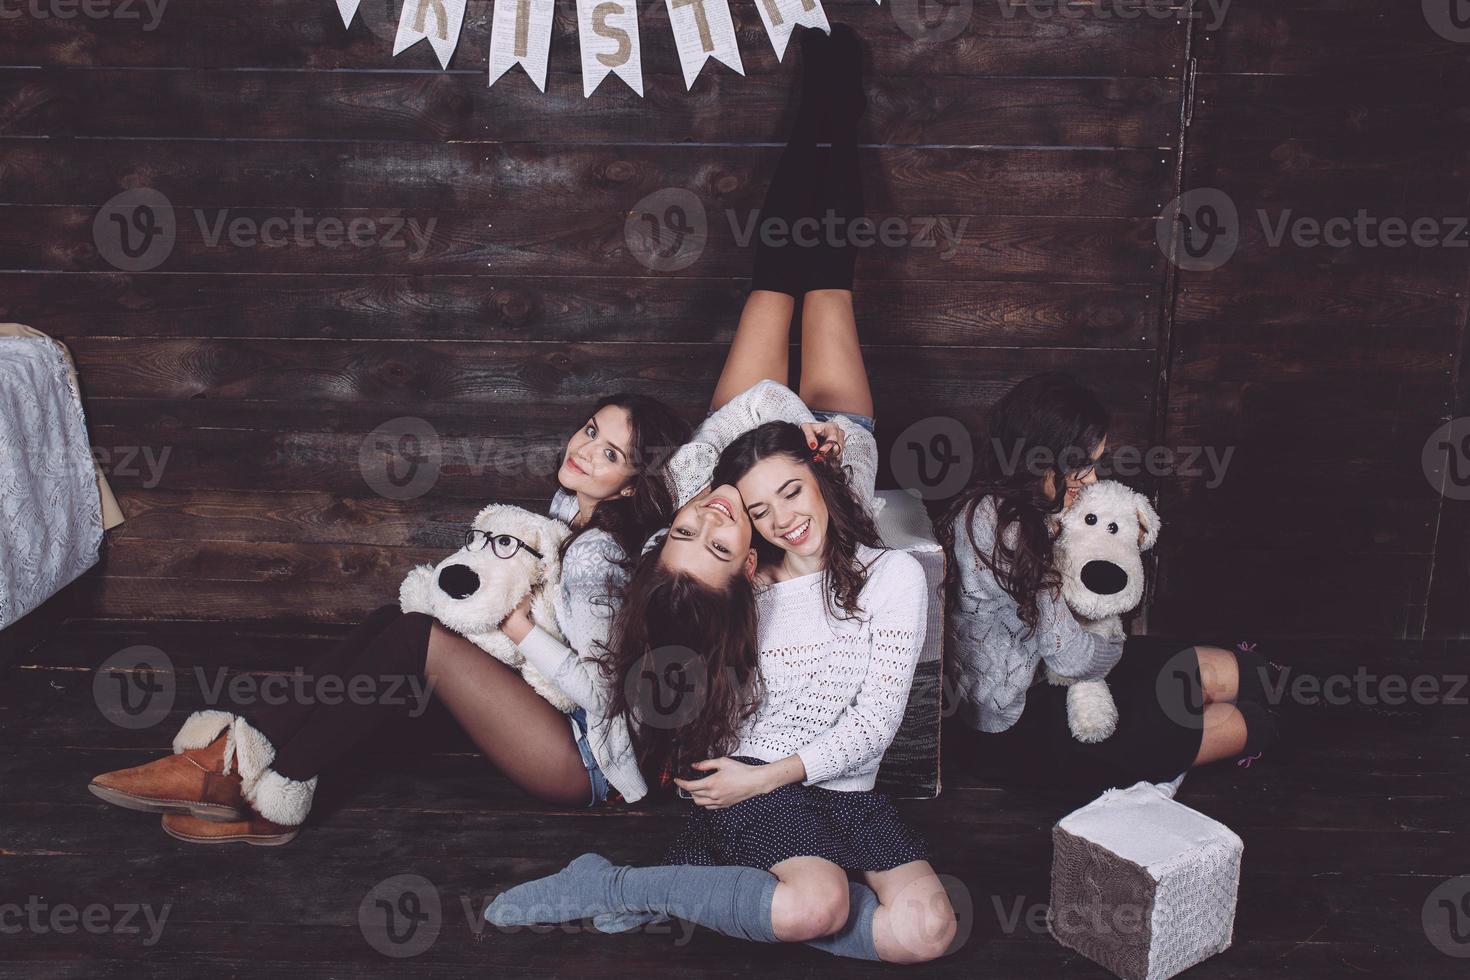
{"type": "Point", "coordinates": [761, 347]}
{"type": "Point", "coordinates": [763, 339]}
{"type": "Point", "coordinates": [833, 376]}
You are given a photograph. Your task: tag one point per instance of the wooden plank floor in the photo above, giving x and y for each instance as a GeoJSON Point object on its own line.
{"type": "Point", "coordinates": [1346, 833]}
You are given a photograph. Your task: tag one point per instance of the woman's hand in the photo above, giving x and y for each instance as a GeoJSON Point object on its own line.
{"type": "Point", "coordinates": [729, 782]}
{"type": "Point", "coordinates": [519, 623]}
{"type": "Point", "coordinates": [827, 437]}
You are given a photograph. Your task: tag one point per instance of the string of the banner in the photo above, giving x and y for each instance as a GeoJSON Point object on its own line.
{"type": "Point", "coordinates": [607, 33]}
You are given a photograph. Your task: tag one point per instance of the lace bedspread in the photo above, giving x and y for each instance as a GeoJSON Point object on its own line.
{"type": "Point", "coordinates": [50, 508]}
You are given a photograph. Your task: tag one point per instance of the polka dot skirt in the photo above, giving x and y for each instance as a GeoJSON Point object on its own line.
{"type": "Point", "coordinates": [857, 831]}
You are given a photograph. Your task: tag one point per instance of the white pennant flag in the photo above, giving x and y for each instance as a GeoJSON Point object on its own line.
{"type": "Point", "coordinates": [347, 8]}
{"type": "Point", "coordinates": [703, 30]}
{"type": "Point", "coordinates": [521, 34]}
{"type": "Point", "coordinates": [608, 33]}
{"type": "Point", "coordinates": [437, 20]}
{"type": "Point", "coordinates": [781, 17]}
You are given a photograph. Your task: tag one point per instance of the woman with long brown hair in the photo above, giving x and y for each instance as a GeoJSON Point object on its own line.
{"type": "Point", "coordinates": [249, 773]}
{"type": "Point", "coordinates": [781, 759]}
{"type": "Point", "coordinates": [1006, 617]}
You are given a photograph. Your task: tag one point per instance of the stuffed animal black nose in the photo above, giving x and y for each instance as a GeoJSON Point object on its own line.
{"type": "Point", "coordinates": [1104, 578]}
{"type": "Point", "coordinates": [458, 581]}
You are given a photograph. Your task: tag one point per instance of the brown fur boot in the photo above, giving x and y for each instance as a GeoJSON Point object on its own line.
{"type": "Point", "coordinates": [254, 829]}
{"type": "Point", "coordinates": [197, 782]}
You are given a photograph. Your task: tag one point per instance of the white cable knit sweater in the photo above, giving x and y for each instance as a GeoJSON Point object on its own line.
{"type": "Point", "coordinates": [767, 401]}
{"type": "Point", "coordinates": [836, 690]}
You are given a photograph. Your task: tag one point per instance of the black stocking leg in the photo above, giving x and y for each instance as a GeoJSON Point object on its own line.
{"type": "Point", "coordinates": [789, 197]}
{"type": "Point", "coordinates": [279, 721]}
{"type": "Point", "coordinates": [839, 191]}
{"type": "Point", "coordinates": [383, 682]}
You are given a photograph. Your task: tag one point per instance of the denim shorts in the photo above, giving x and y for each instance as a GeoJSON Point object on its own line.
{"type": "Point", "coordinates": [866, 421]}
{"type": "Point", "coordinates": [599, 786]}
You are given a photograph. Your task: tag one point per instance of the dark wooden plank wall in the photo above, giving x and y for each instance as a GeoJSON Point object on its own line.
{"type": "Point", "coordinates": [1326, 369]}
{"type": "Point", "coordinates": [261, 371]}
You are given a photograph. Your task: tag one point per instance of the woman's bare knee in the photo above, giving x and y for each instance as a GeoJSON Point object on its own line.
{"type": "Point", "coordinates": [1224, 734]}
{"type": "Point", "coordinates": [921, 923]}
{"type": "Point", "coordinates": [810, 902]}
{"type": "Point", "coordinates": [812, 915]}
{"type": "Point", "coordinates": [1219, 674]}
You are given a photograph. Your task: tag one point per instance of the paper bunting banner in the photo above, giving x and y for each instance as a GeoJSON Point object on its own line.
{"type": "Point", "coordinates": [437, 20]}
{"type": "Point", "coordinates": [781, 17]}
{"type": "Point", "coordinates": [703, 30]}
{"type": "Point", "coordinates": [521, 35]}
{"type": "Point", "coordinates": [608, 33]}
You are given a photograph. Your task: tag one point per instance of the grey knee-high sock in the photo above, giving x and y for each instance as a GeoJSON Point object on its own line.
{"type": "Point", "coordinates": [731, 901]}
{"type": "Point", "coordinates": [855, 939]}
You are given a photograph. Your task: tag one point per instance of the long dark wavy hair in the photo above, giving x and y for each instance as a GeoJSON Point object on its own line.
{"type": "Point", "coordinates": [657, 432]}
{"type": "Point", "coordinates": [849, 525]}
{"type": "Point", "coordinates": [1050, 412]}
{"type": "Point", "coordinates": [670, 618]}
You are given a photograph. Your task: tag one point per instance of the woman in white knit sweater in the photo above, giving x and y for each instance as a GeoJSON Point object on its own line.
{"type": "Point", "coordinates": [796, 650]}
{"type": "Point", "coordinates": [786, 806]}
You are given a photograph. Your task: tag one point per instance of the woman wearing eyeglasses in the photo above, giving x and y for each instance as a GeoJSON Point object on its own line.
{"type": "Point", "coordinates": [250, 773]}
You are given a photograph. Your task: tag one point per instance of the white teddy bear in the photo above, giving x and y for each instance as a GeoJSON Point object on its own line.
{"type": "Point", "coordinates": [1099, 553]}
{"type": "Point", "coordinates": [508, 553]}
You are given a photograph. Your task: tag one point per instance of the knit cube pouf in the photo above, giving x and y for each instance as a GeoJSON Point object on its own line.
{"type": "Point", "coordinates": [910, 767]}
{"type": "Point", "coordinates": [1142, 884]}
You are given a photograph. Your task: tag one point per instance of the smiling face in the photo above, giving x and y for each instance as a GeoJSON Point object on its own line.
{"type": "Point", "coordinates": [598, 462]}
{"type": "Point", "coordinates": [709, 538]}
{"type": "Point", "coordinates": [786, 505]}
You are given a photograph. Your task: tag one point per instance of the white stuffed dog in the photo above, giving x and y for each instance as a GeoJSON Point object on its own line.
{"type": "Point", "coordinates": [473, 590]}
{"type": "Point", "coordinates": [1099, 553]}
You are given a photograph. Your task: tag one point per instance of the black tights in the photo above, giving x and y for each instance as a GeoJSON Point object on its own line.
{"type": "Point", "coordinates": [366, 680]}
{"type": "Point", "coordinates": [1158, 691]}
{"type": "Point", "coordinates": [804, 240]}
{"type": "Point", "coordinates": [519, 732]}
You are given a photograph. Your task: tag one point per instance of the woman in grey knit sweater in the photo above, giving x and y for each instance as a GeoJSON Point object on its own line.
{"type": "Point", "coordinates": [998, 652]}
{"type": "Point", "coordinates": [1179, 704]}
{"type": "Point", "coordinates": [248, 774]}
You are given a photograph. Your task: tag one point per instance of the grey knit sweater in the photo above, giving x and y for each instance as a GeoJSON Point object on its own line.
{"type": "Point", "coordinates": [991, 659]}
{"type": "Point", "coordinates": [586, 603]}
